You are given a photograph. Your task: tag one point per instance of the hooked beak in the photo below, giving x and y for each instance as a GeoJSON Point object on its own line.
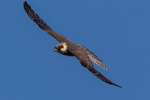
{"type": "Point", "coordinates": [55, 49]}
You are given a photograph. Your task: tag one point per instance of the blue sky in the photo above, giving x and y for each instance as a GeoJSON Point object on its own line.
{"type": "Point", "coordinates": [117, 31]}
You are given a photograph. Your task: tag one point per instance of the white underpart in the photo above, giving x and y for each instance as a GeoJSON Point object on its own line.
{"type": "Point", "coordinates": [64, 49]}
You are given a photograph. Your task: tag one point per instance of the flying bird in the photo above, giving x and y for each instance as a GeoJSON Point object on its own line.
{"type": "Point", "coordinates": [68, 48]}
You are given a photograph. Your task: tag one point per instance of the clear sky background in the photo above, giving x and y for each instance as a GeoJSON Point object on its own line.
{"type": "Point", "coordinates": [117, 31]}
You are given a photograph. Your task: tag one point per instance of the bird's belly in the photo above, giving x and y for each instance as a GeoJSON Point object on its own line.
{"type": "Point", "coordinates": [67, 53]}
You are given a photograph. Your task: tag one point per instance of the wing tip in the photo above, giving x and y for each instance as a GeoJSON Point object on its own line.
{"type": "Point", "coordinates": [117, 85]}
{"type": "Point", "coordinates": [25, 3]}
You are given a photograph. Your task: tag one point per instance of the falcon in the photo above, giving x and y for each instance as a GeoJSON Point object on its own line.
{"type": "Point", "coordinates": [68, 48]}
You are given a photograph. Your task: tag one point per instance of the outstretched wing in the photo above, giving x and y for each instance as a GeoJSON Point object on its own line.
{"type": "Point", "coordinates": [85, 61]}
{"type": "Point", "coordinates": [41, 23]}
{"type": "Point", "coordinates": [100, 76]}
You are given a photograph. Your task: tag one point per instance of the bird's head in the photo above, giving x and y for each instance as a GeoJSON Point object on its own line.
{"type": "Point", "coordinates": [61, 48]}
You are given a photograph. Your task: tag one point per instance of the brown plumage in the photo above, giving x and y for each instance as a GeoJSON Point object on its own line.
{"type": "Point", "coordinates": [67, 47]}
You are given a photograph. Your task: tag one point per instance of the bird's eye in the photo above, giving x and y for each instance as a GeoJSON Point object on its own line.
{"type": "Point", "coordinates": [61, 46]}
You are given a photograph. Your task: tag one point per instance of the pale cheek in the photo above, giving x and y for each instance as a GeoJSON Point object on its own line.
{"type": "Point", "coordinates": [63, 50]}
